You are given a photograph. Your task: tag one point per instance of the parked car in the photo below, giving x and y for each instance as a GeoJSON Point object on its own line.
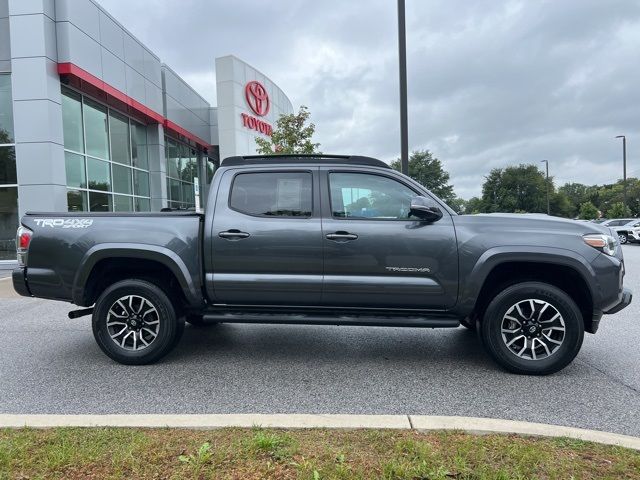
{"type": "Point", "coordinates": [335, 240]}
{"type": "Point", "coordinates": [616, 222]}
{"type": "Point", "coordinates": [628, 232]}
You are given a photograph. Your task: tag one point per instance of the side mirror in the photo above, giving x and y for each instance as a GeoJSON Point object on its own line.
{"type": "Point", "coordinates": [425, 209]}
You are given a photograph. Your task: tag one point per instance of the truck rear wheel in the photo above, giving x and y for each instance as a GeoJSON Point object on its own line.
{"type": "Point", "coordinates": [532, 328]}
{"type": "Point", "coordinates": [135, 323]}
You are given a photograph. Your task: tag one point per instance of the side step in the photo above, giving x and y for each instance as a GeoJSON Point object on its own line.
{"type": "Point", "coordinates": [436, 321]}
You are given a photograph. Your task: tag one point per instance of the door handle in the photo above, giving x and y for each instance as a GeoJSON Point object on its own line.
{"type": "Point", "coordinates": [233, 234]}
{"type": "Point", "coordinates": [341, 236]}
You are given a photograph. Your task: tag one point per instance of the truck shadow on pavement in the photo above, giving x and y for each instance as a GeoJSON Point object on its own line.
{"type": "Point", "coordinates": [335, 344]}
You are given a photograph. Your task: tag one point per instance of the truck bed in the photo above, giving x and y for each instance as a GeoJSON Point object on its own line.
{"type": "Point", "coordinates": [68, 248]}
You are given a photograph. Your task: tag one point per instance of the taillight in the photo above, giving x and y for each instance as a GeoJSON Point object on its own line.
{"type": "Point", "coordinates": [23, 239]}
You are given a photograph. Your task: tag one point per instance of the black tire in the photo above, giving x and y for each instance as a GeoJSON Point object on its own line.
{"type": "Point", "coordinates": [492, 336]}
{"type": "Point", "coordinates": [624, 238]}
{"type": "Point", "coordinates": [168, 330]}
{"type": "Point", "coordinates": [198, 321]}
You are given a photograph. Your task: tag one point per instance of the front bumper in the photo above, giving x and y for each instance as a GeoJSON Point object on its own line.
{"type": "Point", "coordinates": [19, 279]}
{"type": "Point", "coordinates": [627, 296]}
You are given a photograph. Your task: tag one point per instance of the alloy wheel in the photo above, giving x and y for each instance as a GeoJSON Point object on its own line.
{"type": "Point", "coordinates": [133, 322]}
{"type": "Point", "coordinates": [533, 329]}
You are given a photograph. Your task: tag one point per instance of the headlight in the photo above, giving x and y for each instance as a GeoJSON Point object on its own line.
{"type": "Point", "coordinates": [605, 243]}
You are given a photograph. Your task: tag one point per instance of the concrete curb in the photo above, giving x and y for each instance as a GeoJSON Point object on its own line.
{"type": "Point", "coordinates": [420, 423]}
{"type": "Point", "coordinates": [208, 421]}
{"type": "Point", "coordinates": [491, 425]}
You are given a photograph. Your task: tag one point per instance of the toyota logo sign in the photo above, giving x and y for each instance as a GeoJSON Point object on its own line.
{"type": "Point", "coordinates": [257, 98]}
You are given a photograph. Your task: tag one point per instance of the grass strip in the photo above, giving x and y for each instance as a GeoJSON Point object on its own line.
{"type": "Point", "coordinates": [234, 453]}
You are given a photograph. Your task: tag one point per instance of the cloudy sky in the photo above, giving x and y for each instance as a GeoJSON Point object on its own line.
{"type": "Point", "coordinates": [491, 83]}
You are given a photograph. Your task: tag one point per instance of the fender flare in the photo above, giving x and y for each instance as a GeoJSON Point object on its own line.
{"type": "Point", "coordinates": [493, 257]}
{"type": "Point", "coordinates": [159, 254]}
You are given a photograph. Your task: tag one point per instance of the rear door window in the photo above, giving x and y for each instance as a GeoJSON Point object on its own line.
{"type": "Point", "coordinates": [273, 194]}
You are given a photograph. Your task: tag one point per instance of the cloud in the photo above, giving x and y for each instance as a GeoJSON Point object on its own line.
{"type": "Point", "coordinates": [491, 83]}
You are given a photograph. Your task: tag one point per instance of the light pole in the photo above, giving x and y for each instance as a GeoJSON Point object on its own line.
{"type": "Point", "coordinates": [402, 57]}
{"type": "Point", "coordinates": [624, 170]}
{"type": "Point", "coordinates": [547, 185]}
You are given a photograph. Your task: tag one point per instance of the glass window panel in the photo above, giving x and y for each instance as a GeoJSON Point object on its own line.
{"type": "Point", "coordinates": [210, 170]}
{"type": "Point", "coordinates": [76, 201]}
{"type": "Point", "coordinates": [95, 126]}
{"type": "Point", "coordinates": [74, 165]}
{"type": "Point", "coordinates": [8, 166]}
{"type": "Point", "coordinates": [187, 194]}
{"type": "Point", "coordinates": [189, 165]}
{"type": "Point", "coordinates": [99, 174]}
{"type": "Point", "coordinates": [361, 195]}
{"type": "Point", "coordinates": [122, 203]}
{"type": "Point", "coordinates": [8, 222]}
{"type": "Point", "coordinates": [72, 121]}
{"type": "Point", "coordinates": [139, 150]}
{"type": "Point", "coordinates": [120, 142]}
{"type": "Point", "coordinates": [184, 160]}
{"type": "Point", "coordinates": [175, 189]}
{"type": "Point", "coordinates": [189, 170]}
{"type": "Point", "coordinates": [142, 204]}
{"type": "Point", "coordinates": [141, 183]}
{"type": "Point", "coordinates": [121, 179]}
{"type": "Point", "coordinates": [100, 202]}
{"type": "Point", "coordinates": [173, 159]}
{"type": "Point", "coordinates": [273, 194]}
{"type": "Point", "coordinates": [6, 109]}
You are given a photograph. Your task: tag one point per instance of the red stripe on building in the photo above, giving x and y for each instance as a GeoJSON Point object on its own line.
{"type": "Point", "coordinates": [150, 115]}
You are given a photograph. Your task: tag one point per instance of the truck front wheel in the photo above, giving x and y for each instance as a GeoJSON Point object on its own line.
{"type": "Point", "coordinates": [532, 328]}
{"type": "Point", "coordinates": [135, 323]}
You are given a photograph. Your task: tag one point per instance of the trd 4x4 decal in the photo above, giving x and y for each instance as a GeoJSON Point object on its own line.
{"type": "Point", "coordinates": [64, 223]}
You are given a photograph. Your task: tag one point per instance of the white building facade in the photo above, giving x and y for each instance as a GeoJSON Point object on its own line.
{"type": "Point", "coordinates": [92, 120]}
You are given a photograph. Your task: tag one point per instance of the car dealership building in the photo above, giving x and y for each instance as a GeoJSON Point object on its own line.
{"type": "Point", "coordinates": [92, 120]}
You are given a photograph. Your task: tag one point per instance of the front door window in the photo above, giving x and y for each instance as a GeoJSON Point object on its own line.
{"type": "Point", "coordinates": [367, 196]}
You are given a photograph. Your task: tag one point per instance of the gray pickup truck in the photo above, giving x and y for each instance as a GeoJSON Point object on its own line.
{"type": "Point", "coordinates": [336, 240]}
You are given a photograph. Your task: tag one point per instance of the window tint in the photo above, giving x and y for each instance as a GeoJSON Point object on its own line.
{"type": "Point", "coordinates": [119, 131]}
{"type": "Point", "coordinates": [139, 146]}
{"type": "Point", "coordinates": [6, 110]}
{"type": "Point", "coordinates": [95, 126]}
{"type": "Point", "coordinates": [74, 165]}
{"type": "Point", "coordinates": [361, 195]}
{"type": "Point", "coordinates": [272, 194]}
{"type": "Point", "coordinates": [72, 121]}
{"type": "Point", "coordinates": [8, 166]}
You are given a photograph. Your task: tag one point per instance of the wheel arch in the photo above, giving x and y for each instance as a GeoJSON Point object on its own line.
{"type": "Point", "coordinates": [501, 268]}
{"type": "Point", "coordinates": [112, 262]}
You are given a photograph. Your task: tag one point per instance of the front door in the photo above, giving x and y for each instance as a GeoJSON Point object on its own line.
{"type": "Point", "coordinates": [267, 238]}
{"type": "Point", "coordinates": [375, 255]}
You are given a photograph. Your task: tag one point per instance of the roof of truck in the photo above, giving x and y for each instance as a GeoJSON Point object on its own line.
{"type": "Point", "coordinates": [297, 158]}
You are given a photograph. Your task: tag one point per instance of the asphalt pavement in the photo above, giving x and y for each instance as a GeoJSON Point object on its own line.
{"type": "Point", "coordinates": [50, 364]}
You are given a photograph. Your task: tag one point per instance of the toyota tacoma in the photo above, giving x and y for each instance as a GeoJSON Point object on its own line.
{"type": "Point", "coordinates": [335, 240]}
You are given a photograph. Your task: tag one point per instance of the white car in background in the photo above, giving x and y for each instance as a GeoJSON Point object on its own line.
{"type": "Point", "coordinates": [628, 229]}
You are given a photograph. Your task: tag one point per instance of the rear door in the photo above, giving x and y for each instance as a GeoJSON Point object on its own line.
{"type": "Point", "coordinates": [267, 237]}
{"type": "Point", "coordinates": [375, 255]}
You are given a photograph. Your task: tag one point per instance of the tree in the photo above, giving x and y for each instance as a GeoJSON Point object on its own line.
{"type": "Point", "coordinates": [474, 205]}
{"type": "Point", "coordinates": [521, 188]}
{"type": "Point", "coordinates": [618, 210]}
{"type": "Point", "coordinates": [588, 211]}
{"type": "Point", "coordinates": [291, 135]}
{"type": "Point", "coordinates": [561, 205]}
{"type": "Point", "coordinates": [427, 170]}
{"type": "Point", "coordinates": [576, 194]}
